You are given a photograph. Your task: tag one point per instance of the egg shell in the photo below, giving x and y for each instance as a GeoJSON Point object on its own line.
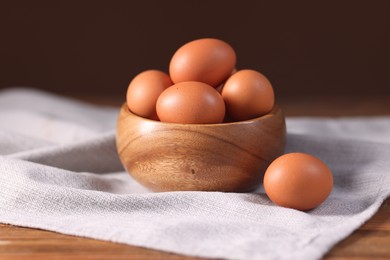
{"type": "Point", "coordinates": [298, 180]}
{"type": "Point", "coordinates": [248, 94]}
{"type": "Point", "coordinates": [220, 86]}
{"type": "Point", "coordinates": [144, 90]}
{"type": "Point", "coordinates": [210, 61]}
{"type": "Point", "coordinates": [191, 102]}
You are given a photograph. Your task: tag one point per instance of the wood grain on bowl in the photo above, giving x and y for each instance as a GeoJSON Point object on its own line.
{"type": "Point", "coordinates": [210, 157]}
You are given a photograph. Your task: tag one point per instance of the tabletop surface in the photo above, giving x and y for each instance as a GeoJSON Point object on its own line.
{"type": "Point", "coordinates": [372, 240]}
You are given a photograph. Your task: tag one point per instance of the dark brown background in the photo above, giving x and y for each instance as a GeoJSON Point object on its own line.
{"type": "Point", "coordinates": [337, 48]}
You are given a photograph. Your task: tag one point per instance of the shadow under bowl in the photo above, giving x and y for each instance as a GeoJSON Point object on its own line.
{"type": "Point", "coordinates": [204, 157]}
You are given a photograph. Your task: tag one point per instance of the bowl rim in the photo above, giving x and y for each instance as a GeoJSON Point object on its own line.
{"type": "Point", "coordinates": [276, 108]}
{"type": "Point", "coordinates": [274, 111]}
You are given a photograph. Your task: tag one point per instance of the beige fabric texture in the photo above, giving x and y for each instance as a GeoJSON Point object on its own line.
{"type": "Point", "coordinates": [59, 171]}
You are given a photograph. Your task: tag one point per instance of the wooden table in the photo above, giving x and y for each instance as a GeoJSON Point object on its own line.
{"type": "Point", "coordinates": [370, 241]}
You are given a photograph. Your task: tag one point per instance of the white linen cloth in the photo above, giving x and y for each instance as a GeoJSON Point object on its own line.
{"type": "Point", "coordinates": [59, 171]}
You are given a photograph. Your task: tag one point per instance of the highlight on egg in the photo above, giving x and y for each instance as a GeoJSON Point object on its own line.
{"type": "Point", "coordinates": [248, 94]}
{"type": "Point", "coordinates": [144, 90]}
{"type": "Point", "coordinates": [191, 102]}
{"type": "Point", "coordinates": [208, 60]}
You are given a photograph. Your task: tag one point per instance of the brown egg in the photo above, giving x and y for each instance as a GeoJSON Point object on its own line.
{"type": "Point", "coordinates": [191, 102]}
{"type": "Point", "coordinates": [220, 86]}
{"type": "Point", "coordinates": [205, 60]}
{"type": "Point", "coordinates": [144, 90]}
{"type": "Point", "coordinates": [298, 180]}
{"type": "Point", "coordinates": [248, 94]}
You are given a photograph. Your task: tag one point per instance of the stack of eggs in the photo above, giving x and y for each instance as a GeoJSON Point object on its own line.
{"type": "Point", "coordinates": [203, 87]}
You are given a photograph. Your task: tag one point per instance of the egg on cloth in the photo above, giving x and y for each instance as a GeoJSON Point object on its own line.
{"type": "Point", "coordinates": [298, 180]}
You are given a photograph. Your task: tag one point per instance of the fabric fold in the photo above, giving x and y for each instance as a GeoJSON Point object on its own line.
{"type": "Point", "coordinates": [78, 187]}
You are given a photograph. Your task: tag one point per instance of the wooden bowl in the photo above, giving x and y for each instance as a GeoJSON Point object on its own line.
{"type": "Point", "coordinates": [207, 157]}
